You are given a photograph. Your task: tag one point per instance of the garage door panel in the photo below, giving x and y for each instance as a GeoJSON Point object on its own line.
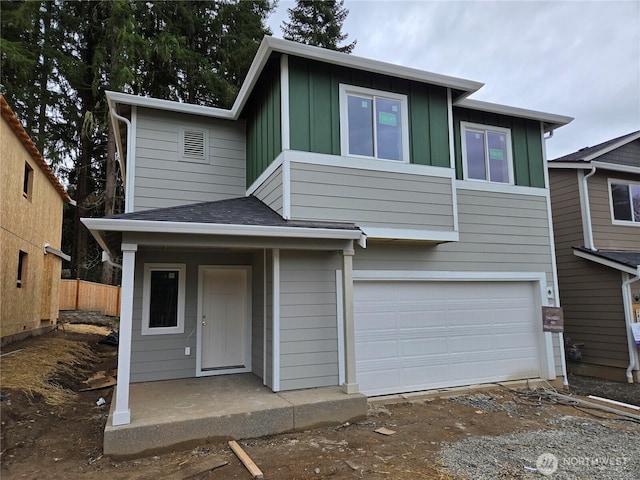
{"type": "Point", "coordinates": [419, 347]}
{"type": "Point", "coordinates": [420, 335]}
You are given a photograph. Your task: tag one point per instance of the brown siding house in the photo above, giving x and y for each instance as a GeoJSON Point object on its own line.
{"type": "Point", "coordinates": [31, 203]}
{"type": "Point", "coordinates": [595, 201]}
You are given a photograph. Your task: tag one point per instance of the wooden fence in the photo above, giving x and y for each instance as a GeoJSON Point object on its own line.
{"type": "Point", "coordinates": [90, 297]}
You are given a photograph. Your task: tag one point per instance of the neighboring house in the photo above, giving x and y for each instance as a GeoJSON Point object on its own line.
{"type": "Point", "coordinates": [348, 222]}
{"type": "Point", "coordinates": [595, 197]}
{"type": "Point", "coordinates": [31, 204]}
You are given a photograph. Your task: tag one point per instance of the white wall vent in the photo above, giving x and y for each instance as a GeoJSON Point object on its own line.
{"type": "Point", "coordinates": [193, 145]}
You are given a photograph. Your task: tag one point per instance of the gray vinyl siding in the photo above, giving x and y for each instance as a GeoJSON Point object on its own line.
{"type": "Point", "coordinates": [270, 191]}
{"type": "Point", "coordinates": [371, 198]}
{"type": "Point", "coordinates": [308, 320]}
{"type": "Point", "coordinates": [606, 235]}
{"type": "Point", "coordinates": [161, 357]}
{"type": "Point", "coordinates": [498, 232]}
{"type": "Point", "coordinates": [164, 179]}
{"type": "Point", "coordinates": [590, 294]}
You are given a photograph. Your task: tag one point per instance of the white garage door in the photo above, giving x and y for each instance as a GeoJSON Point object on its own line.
{"type": "Point", "coordinates": [420, 335]}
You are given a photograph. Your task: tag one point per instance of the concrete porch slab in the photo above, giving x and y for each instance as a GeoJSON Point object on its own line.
{"type": "Point", "coordinates": [173, 413]}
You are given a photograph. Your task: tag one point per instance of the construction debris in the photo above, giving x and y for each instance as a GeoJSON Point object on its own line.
{"type": "Point", "coordinates": [385, 431]}
{"type": "Point", "coordinates": [246, 460]}
{"type": "Point", "coordinates": [203, 465]}
{"type": "Point", "coordinates": [102, 379]}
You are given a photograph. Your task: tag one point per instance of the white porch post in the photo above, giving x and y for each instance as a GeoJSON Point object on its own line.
{"type": "Point", "coordinates": [350, 385]}
{"type": "Point", "coordinates": [122, 414]}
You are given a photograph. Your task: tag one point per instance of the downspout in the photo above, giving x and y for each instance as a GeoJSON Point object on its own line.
{"type": "Point", "coordinates": [587, 209]}
{"type": "Point", "coordinates": [626, 298]}
{"type": "Point", "coordinates": [125, 171]}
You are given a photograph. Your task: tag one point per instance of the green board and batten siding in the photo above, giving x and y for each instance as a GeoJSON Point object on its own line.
{"type": "Point", "coordinates": [264, 135]}
{"type": "Point", "coordinates": [526, 144]}
{"type": "Point", "coordinates": [314, 110]}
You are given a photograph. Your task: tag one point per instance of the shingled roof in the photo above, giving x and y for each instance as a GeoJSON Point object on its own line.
{"type": "Point", "coordinates": [235, 211]}
{"type": "Point", "coordinates": [588, 153]}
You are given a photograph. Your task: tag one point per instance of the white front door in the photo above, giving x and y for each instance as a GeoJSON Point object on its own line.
{"type": "Point", "coordinates": [223, 322]}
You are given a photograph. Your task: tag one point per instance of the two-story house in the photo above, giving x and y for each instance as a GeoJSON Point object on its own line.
{"type": "Point", "coordinates": [347, 222]}
{"type": "Point", "coordinates": [31, 204]}
{"type": "Point", "coordinates": [595, 197]}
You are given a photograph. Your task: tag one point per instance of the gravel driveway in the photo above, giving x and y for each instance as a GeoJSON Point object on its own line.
{"type": "Point", "coordinates": [572, 447]}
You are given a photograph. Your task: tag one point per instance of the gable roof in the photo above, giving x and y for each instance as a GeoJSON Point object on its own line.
{"type": "Point", "coordinates": [28, 144]}
{"type": "Point", "coordinates": [591, 156]}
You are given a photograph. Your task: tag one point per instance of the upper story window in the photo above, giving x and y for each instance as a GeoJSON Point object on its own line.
{"type": "Point", "coordinates": [486, 153]}
{"type": "Point", "coordinates": [374, 124]}
{"type": "Point", "coordinates": [625, 201]}
{"type": "Point", "coordinates": [163, 295]}
{"type": "Point", "coordinates": [27, 183]}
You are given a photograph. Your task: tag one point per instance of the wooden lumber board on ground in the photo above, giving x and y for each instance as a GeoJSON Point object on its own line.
{"type": "Point", "coordinates": [246, 460]}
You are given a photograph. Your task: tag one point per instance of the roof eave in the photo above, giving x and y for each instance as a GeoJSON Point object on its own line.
{"type": "Point", "coordinates": [146, 226]}
{"type": "Point", "coordinates": [551, 121]}
{"type": "Point", "coordinates": [606, 262]}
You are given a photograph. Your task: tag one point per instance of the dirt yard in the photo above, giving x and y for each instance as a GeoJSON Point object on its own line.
{"type": "Point", "coordinates": [495, 434]}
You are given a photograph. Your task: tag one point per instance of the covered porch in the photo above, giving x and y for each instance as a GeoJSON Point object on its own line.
{"type": "Point", "coordinates": [260, 324]}
{"type": "Point", "coordinates": [180, 412]}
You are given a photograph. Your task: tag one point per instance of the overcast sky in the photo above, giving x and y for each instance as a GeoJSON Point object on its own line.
{"type": "Point", "coordinates": [574, 58]}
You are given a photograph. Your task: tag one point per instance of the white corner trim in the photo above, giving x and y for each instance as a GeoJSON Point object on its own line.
{"type": "Point", "coordinates": [284, 102]}
{"type": "Point", "coordinates": [482, 186]}
{"type": "Point", "coordinates": [264, 316]}
{"type": "Point", "coordinates": [264, 176]}
{"type": "Point", "coordinates": [373, 164]}
{"type": "Point", "coordinates": [454, 205]}
{"type": "Point", "coordinates": [286, 188]}
{"type": "Point", "coordinates": [275, 362]}
{"type": "Point", "coordinates": [410, 234]}
{"type": "Point", "coordinates": [340, 324]}
{"type": "Point", "coordinates": [452, 149]}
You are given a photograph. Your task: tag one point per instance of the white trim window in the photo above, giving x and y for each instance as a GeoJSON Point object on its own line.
{"type": "Point", "coordinates": [625, 202]}
{"type": "Point", "coordinates": [486, 153]}
{"type": "Point", "coordinates": [374, 124]}
{"type": "Point", "coordinates": [163, 295]}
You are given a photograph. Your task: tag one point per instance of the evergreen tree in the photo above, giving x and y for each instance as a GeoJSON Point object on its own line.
{"type": "Point", "coordinates": [319, 23]}
{"type": "Point", "coordinates": [58, 57]}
